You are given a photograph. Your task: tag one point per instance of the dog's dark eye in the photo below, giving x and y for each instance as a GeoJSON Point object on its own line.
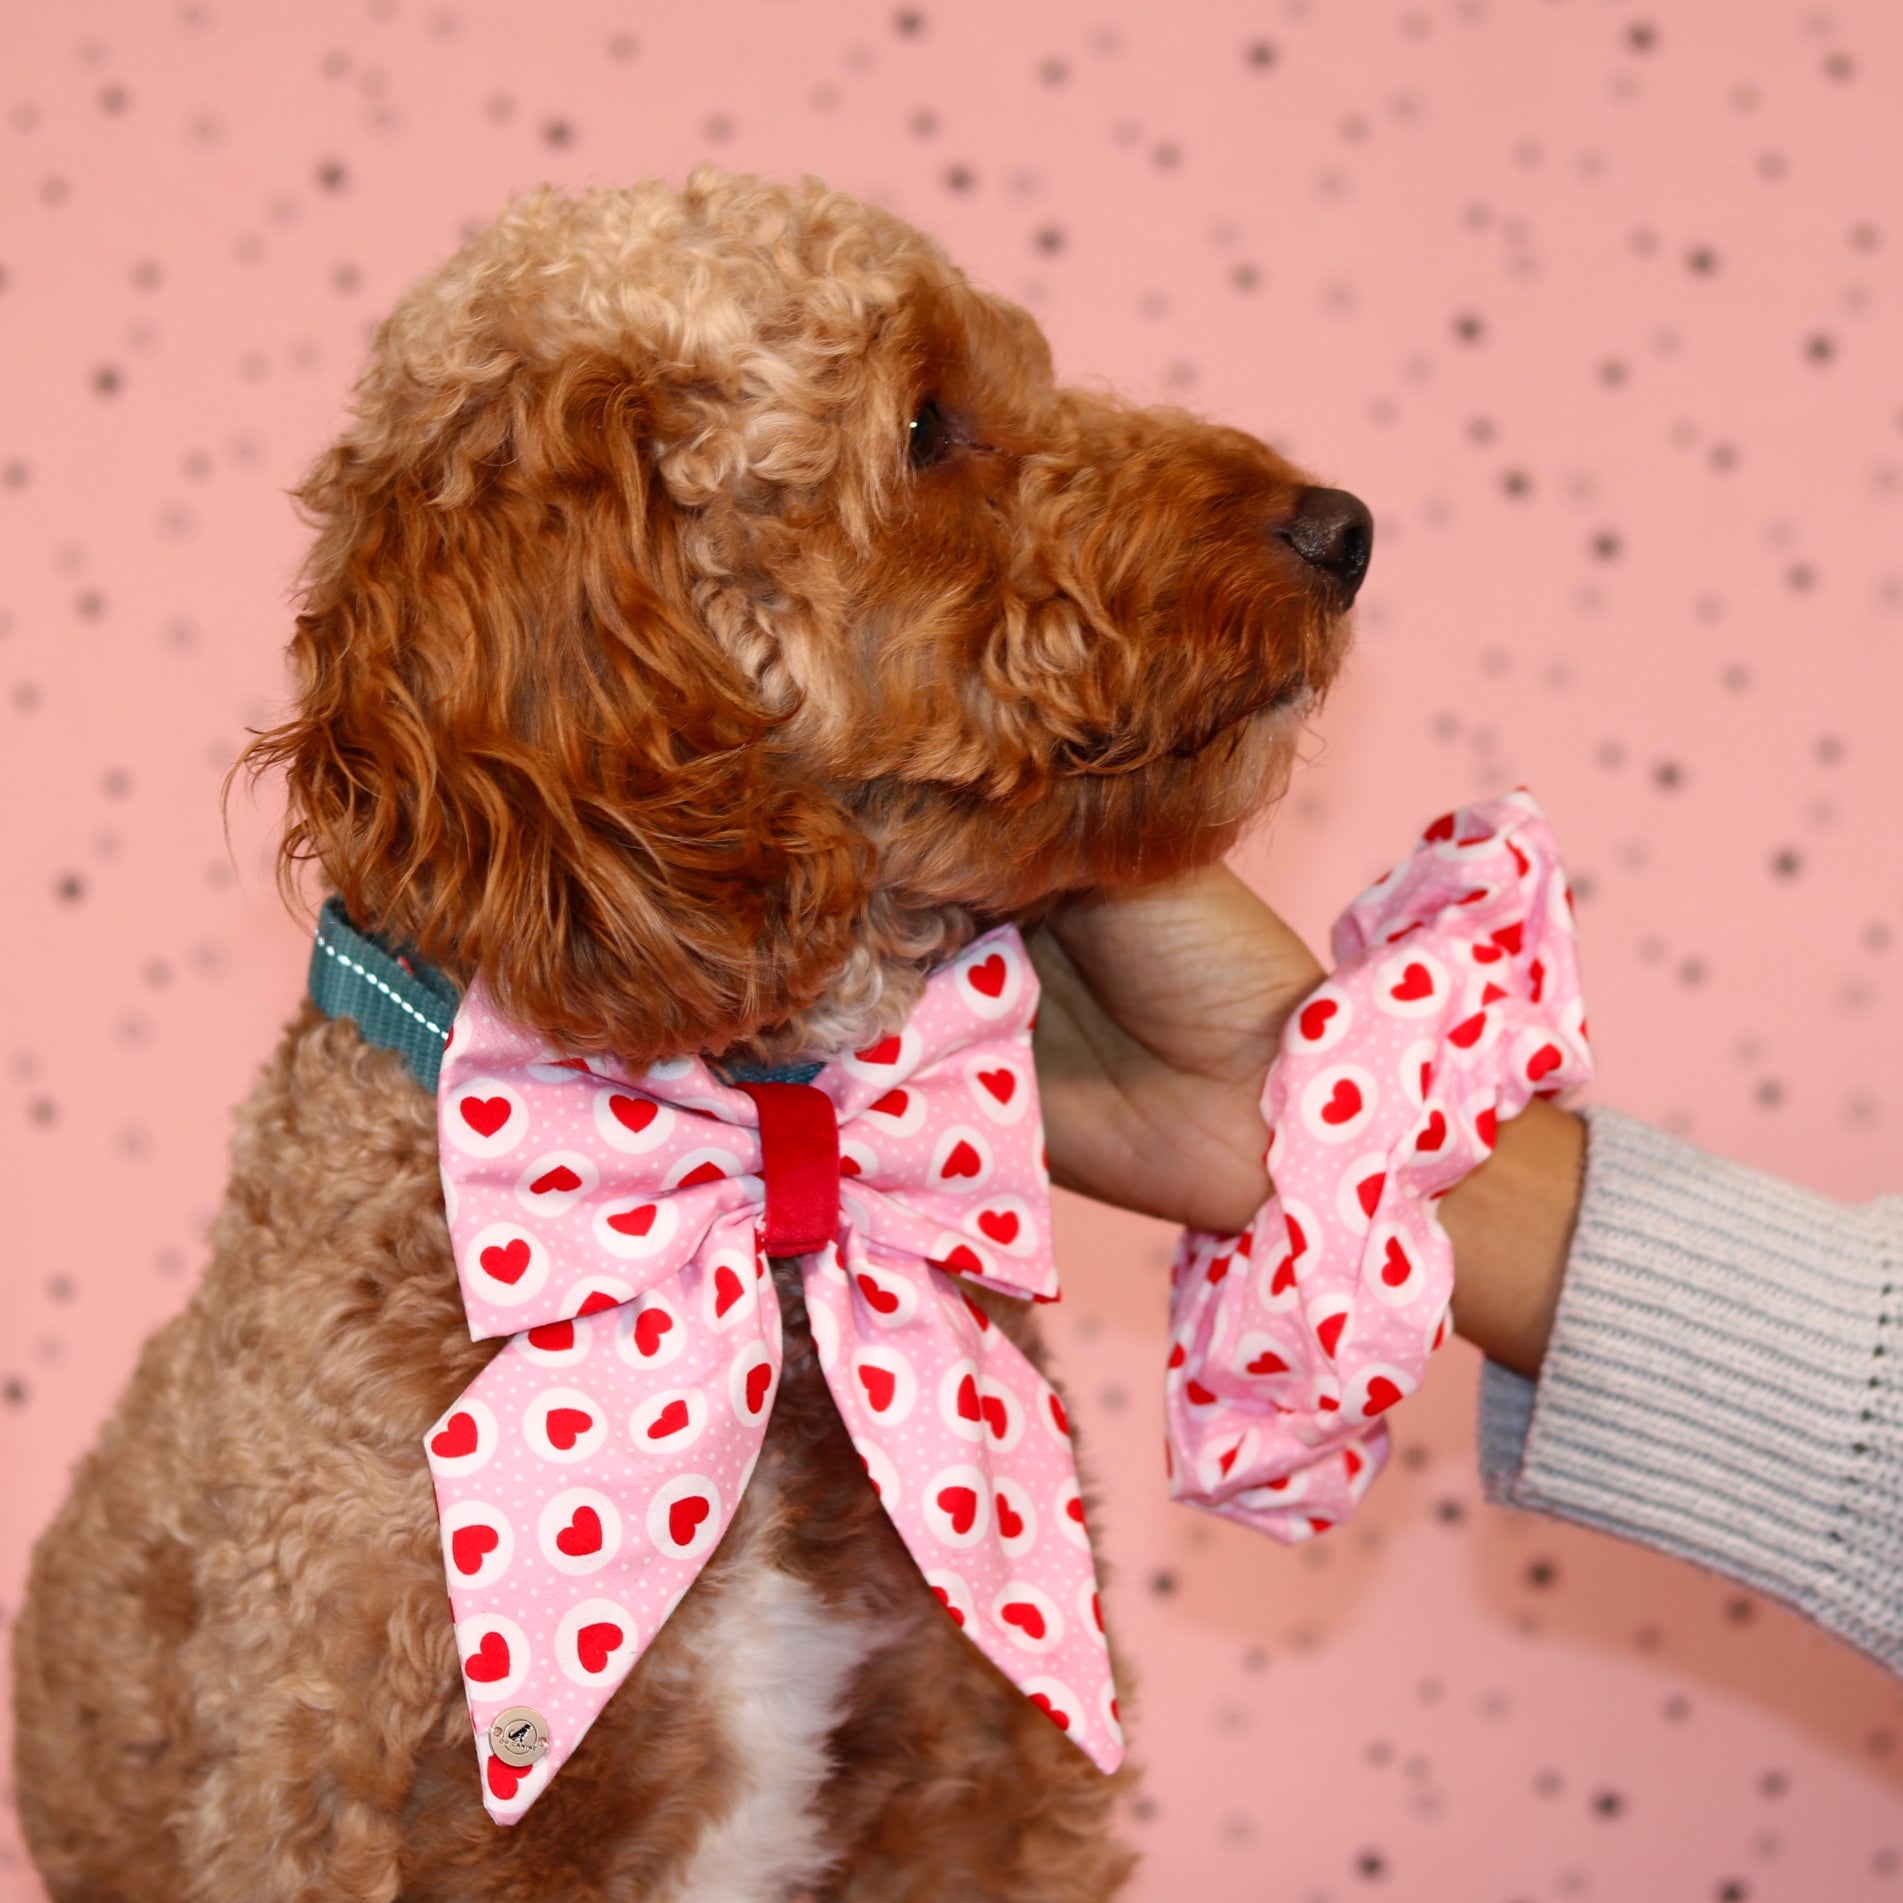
{"type": "Point", "coordinates": [929, 437]}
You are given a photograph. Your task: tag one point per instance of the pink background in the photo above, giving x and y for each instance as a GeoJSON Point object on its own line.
{"type": "Point", "coordinates": [1595, 304]}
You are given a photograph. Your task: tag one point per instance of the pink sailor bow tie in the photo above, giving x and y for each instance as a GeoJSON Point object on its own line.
{"type": "Point", "coordinates": [616, 1226]}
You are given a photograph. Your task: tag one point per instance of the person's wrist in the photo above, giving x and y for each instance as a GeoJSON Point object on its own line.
{"type": "Point", "coordinates": [1511, 1224]}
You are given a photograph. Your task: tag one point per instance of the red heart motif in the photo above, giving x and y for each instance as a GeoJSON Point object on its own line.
{"type": "Point", "coordinates": [489, 1661]}
{"type": "Point", "coordinates": [1315, 1016]}
{"type": "Point", "coordinates": [961, 1505]}
{"type": "Point", "coordinates": [1536, 979]}
{"type": "Point", "coordinates": [1433, 1136]}
{"type": "Point", "coordinates": [1510, 938]}
{"type": "Point", "coordinates": [634, 1114]}
{"type": "Point", "coordinates": [848, 1165]}
{"type": "Point", "coordinates": [582, 1534]}
{"type": "Point", "coordinates": [1178, 1354]}
{"type": "Point", "coordinates": [1218, 1268]}
{"type": "Point", "coordinates": [1466, 1033]}
{"type": "Point", "coordinates": [1442, 828]}
{"type": "Point", "coordinates": [1368, 1192]}
{"type": "Point", "coordinates": [1520, 859]}
{"type": "Point", "coordinates": [670, 1420]}
{"type": "Point", "coordinates": [1075, 1508]}
{"type": "Point", "coordinates": [1487, 954]}
{"type": "Point", "coordinates": [1487, 1123]}
{"type": "Point", "coordinates": [1474, 897]}
{"type": "Point", "coordinates": [728, 1289]}
{"type": "Point", "coordinates": [593, 1644]}
{"type": "Point", "coordinates": [1010, 1521]}
{"type": "Point", "coordinates": [1395, 1267]}
{"type": "Point", "coordinates": [506, 1261]}
{"type": "Point", "coordinates": [503, 1778]}
{"type": "Point", "coordinates": [595, 1301]}
{"type": "Point", "coordinates": [1025, 1617]}
{"type": "Point", "coordinates": [892, 1104]}
{"type": "Point", "coordinates": [1001, 1225]}
{"type": "Point", "coordinates": [1492, 995]}
{"type": "Point", "coordinates": [880, 1384]}
{"type": "Point", "coordinates": [1061, 1719]}
{"type": "Point", "coordinates": [566, 1425]}
{"type": "Point", "coordinates": [1546, 1058]}
{"type": "Point", "coordinates": [553, 1337]}
{"type": "Point", "coordinates": [1058, 1415]}
{"type": "Point", "coordinates": [1284, 1277]}
{"type": "Point", "coordinates": [968, 1408]}
{"type": "Point", "coordinates": [1002, 1084]}
{"type": "Point", "coordinates": [633, 1222]}
{"type": "Point", "coordinates": [1344, 1103]}
{"type": "Point", "coordinates": [649, 1326]}
{"type": "Point", "coordinates": [469, 1546]}
{"type": "Point", "coordinates": [963, 1161]}
{"type": "Point", "coordinates": [1352, 1461]}
{"type": "Point", "coordinates": [759, 1379]}
{"type": "Point", "coordinates": [1268, 1362]}
{"type": "Point", "coordinates": [959, 1261]}
{"type": "Point", "coordinates": [485, 1115]}
{"type": "Point", "coordinates": [881, 1299]}
{"type": "Point", "coordinates": [886, 1051]}
{"type": "Point", "coordinates": [1382, 1395]}
{"type": "Point", "coordinates": [1416, 982]}
{"type": "Point", "coordinates": [1199, 1396]}
{"type": "Point", "coordinates": [1227, 1460]}
{"type": "Point", "coordinates": [708, 1172]}
{"type": "Point", "coordinates": [684, 1518]}
{"type": "Point", "coordinates": [561, 1177]}
{"type": "Point", "coordinates": [457, 1437]}
{"type": "Point", "coordinates": [1328, 1333]}
{"type": "Point", "coordinates": [944, 1599]}
{"type": "Point", "coordinates": [977, 1314]}
{"type": "Point", "coordinates": [988, 975]}
{"type": "Point", "coordinates": [997, 1415]}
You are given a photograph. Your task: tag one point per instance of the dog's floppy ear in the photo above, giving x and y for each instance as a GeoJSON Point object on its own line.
{"type": "Point", "coordinates": [515, 747]}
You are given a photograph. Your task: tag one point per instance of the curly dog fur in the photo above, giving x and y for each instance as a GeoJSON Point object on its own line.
{"type": "Point", "coordinates": [717, 615]}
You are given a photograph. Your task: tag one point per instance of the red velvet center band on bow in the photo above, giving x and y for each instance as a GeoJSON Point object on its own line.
{"type": "Point", "coordinates": [799, 1148]}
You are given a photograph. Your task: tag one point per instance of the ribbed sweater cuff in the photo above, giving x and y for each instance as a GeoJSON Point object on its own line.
{"type": "Point", "coordinates": [1722, 1381]}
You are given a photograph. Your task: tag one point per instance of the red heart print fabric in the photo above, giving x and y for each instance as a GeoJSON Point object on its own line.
{"type": "Point", "coordinates": [609, 1223]}
{"type": "Point", "coordinates": [1454, 1001]}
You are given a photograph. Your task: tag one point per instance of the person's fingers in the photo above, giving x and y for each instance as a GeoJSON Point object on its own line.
{"type": "Point", "coordinates": [1199, 970]}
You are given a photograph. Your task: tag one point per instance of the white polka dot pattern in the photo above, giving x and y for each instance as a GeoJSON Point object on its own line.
{"type": "Point", "coordinates": [1455, 1000]}
{"type": "Point", "coordinates": [609, 1222]}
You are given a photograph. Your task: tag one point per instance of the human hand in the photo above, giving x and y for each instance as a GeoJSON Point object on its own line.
{"type": "Point", "coordinates": [1161, 1013]}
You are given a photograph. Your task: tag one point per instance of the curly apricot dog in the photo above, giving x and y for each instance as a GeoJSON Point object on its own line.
{"type": "Point", "coordinates": [717, 616]}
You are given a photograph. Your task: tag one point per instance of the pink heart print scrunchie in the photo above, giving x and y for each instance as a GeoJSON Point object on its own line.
{"type": "Point", "coordinates": [614, 1225]}
{"type": "Point", "coordinates": [1455, 1000]}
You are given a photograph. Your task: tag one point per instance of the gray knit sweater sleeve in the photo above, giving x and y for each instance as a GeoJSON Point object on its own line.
{"type": "Point", "coordinates": [1723, 1381]}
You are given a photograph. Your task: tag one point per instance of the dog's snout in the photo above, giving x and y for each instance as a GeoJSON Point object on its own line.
{"type": "Point", "coordinates": [1333, 531]}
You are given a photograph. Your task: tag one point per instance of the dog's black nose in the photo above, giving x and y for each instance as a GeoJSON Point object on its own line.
{"type": "Point", "coordinates": [1333, 531]}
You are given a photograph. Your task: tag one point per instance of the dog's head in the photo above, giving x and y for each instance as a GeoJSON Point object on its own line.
{"type": "Point", "coordinates": [717, 611]}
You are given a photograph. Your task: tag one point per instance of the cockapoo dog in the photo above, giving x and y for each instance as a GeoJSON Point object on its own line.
{"type": "Point", "coordinates": [717, 617]}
